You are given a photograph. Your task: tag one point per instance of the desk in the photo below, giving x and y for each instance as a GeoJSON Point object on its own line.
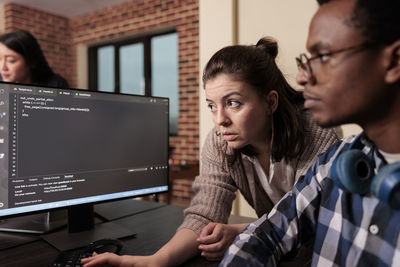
{"type": "Point", "coordinates": [154, 224]}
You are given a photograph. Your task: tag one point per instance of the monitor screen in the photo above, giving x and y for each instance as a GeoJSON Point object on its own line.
{"type": "Point", "coordinates": [68, 147]}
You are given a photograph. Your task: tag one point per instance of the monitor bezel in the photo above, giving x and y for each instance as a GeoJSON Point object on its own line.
{"type": "Point", "coordinates": [165, 187]}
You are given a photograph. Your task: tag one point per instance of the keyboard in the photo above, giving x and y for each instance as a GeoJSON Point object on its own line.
{"type": "Point", "coordinates": [73, 257]}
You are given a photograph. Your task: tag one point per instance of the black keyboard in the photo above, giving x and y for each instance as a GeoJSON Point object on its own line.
{"type": "Point", "coordinates": [73, 257]}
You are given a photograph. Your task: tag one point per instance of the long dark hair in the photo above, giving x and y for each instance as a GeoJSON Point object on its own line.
{"type": "Point", "coordinates": [255, 65]}
{"type": "Point", "coordinates": [27, 46]}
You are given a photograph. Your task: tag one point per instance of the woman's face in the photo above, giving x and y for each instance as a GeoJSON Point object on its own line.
{"type": "Point", "coordinates": [13, 67]}
{"type": "Point", "coordinates": [241, 115]}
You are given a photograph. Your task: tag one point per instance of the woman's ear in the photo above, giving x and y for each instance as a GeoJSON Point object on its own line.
{"type": "Point", "coordinates": [392, 52]}
{"type": "Point", "coordinates": [272, 100]}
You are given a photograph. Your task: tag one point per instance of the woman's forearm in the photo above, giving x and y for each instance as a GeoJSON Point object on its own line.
{"type": "Point", "coordinates": [180, 248]}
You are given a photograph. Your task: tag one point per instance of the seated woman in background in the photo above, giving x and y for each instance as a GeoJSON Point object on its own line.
{"type": "Point", "coordinates": [22, 61]}
{"type": "Point", "coordinates": [263, 141]}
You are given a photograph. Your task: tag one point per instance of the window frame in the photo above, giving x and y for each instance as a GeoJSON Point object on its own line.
{"type": "Point", "coordinates": [143, 38]}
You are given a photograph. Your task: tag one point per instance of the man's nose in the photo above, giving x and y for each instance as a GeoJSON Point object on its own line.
{"type": "Point", "coordinates": [301, 77]}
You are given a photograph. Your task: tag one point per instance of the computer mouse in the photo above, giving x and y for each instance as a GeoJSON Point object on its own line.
{"type": "Point", "coordinates": [106, 245]}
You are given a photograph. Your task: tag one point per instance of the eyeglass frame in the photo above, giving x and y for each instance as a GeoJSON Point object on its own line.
{"type": "Point", "coordinates": [306, 66]}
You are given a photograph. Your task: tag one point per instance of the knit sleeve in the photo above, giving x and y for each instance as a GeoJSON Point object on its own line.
{"type": "Point", "coordinates": [214, 189]}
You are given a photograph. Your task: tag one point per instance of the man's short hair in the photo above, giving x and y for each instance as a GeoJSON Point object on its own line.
{"type": "Point", "coordinates": [377, 19]}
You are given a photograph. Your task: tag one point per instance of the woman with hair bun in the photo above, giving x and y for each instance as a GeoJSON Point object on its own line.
{"type": "Point", "coordinates": [262, 142]}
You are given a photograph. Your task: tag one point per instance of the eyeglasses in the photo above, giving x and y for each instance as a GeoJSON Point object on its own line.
{"type": "Point", "coordinates": [304, 62]}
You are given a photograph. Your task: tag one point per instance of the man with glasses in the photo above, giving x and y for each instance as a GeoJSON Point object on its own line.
{"type": "Point", "coordinates": [348, 203]}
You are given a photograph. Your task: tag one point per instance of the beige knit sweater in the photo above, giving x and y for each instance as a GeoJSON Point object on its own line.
{"type": "Point", "coordinates": [218, 181]}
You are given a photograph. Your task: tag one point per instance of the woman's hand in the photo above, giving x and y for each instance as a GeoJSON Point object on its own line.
{"type": "Point", "coordinates": [215, 238]}
{"type": "Point", "coordinates": [111, 259]}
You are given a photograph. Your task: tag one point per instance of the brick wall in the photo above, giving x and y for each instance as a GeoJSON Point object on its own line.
{"type": "Point", "coordinates": [60, 36]}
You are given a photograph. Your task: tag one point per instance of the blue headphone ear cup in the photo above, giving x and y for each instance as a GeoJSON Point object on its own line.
{"type": "Point", "coordinates": [353, 171]}
{"type": "Point", "coordinates": [386, 185]}
{"type": "Point", "coordinates": [336, 173]}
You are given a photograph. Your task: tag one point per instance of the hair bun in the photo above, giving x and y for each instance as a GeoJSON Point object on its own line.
{"type": "Point", "coordinates": [269, 45]}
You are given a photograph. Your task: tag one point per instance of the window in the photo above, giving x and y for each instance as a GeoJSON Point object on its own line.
{"type": "Point", "coordinates": [146, 65]}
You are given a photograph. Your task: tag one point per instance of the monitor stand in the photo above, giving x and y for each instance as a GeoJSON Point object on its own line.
{"type": "Point", "coordinates": [35, 224]}
{"type": "Point", "coordinates": [82, 230]}
{"type": "Point", "coordinates": [64, 240]}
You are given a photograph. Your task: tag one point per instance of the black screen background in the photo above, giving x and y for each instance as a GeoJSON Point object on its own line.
{"type": "Point", "coordinates": [112, 135]}
{"type": "Point", "coordinates": [90, 152]}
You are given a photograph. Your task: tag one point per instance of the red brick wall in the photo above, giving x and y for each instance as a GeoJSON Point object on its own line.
{"type": "Point", "coordinates": [52, 33]}
{"type": "Point", "coordinates": [59, 37]}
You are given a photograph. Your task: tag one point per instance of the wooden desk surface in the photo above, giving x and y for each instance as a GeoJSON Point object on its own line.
{"type": "Point", "coordinates": [154, 225]}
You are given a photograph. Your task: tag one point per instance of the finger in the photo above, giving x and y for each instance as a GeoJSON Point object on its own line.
{"type": "Point", "coordinates": [93, 260]}
{"type": "Point", "coordinates": [214, 247]}
{"type": "Point", "coordinates": [207, 230]}
{"type": "Point", "coordinates": [98, 260]}
{"type": "Point", "coordinates": [214, 237]}
{"type": "Point", "coordinates": [88, 259]}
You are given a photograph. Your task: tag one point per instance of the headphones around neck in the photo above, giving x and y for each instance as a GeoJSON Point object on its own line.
{"type": "Point", "coordinates": [353, 171]}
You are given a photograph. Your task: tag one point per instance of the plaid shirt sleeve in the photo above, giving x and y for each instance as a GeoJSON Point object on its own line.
{"type": "Point", "coordinates": [265, 241]}
{"type": "Point", "coordinates": [349, 229]}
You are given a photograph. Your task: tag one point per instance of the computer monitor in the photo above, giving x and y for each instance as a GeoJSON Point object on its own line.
{"type": "Point", "coordinates": [71, 148]}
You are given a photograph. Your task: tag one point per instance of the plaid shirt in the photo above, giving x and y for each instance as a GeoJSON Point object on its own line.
{"type": "Point", "coordinates": [349, 229]}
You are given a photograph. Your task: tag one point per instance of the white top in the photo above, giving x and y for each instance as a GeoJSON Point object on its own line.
{"type": "Point", "coordinates": [280, 180]}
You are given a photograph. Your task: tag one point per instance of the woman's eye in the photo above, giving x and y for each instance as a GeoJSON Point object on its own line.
{"type": "Point", "coordinates": [212, 107]}
{"type": "Point", "coordinates": [233, 103]}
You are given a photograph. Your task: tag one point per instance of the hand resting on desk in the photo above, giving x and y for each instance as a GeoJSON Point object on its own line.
{"type": "Point", "coordinates": [111, 259]}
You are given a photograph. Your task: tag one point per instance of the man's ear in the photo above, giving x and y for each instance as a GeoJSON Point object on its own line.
{"type": "Point", "coordinates": [392, 52]}
{"type": "Point", "coordinates": [272, 100]}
